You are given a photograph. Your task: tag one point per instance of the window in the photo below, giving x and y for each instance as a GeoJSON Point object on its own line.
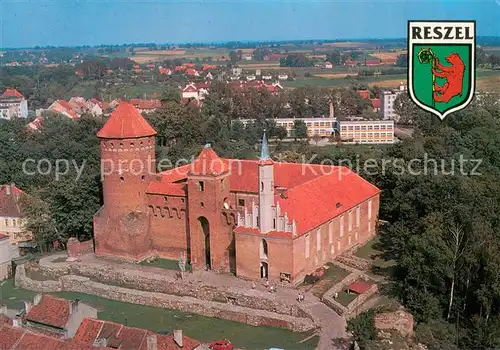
{"type": "Point", "coordinates": [6, 222]}
{"type": "Point", "coordinates": [201, 186]}
{"type": "Point", "coordinates": [222, 184]}
{"type": "Point", "coordinates": [358, 212]}
{"type": "Point", "coordinates": [274, 224]}
{"type": "Point", "coordinates": [369, 210]}
{"type": "Point", "coordinates": [349, 223]}
{"type": "Point", "coordinates": [342, 226]}
{"type": "Point", "coordinates": [263, 249]}
{"type": "Point", "coordinates": [330, 232]}
{"type": "Point", "coordinates": [318, 239]}
{"type": "Point", "coordinates": [202, 204]}
{"type": "Point", "coordinates": [166, 199]}
{"type": "Point", "coordinates": [143, 178]}
{"type": "Point", "coordinates": [241, 202]}
{"type": "Point", "coordinates": [262, 186]}
{"type": "Point", "coordinates": [308, 246]}
{"type": "Point", "coordinates": [122, 179]}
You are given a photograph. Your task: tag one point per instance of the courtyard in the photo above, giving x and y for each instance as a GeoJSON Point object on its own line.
{"type": "Point", "coordinates": [204, 329]}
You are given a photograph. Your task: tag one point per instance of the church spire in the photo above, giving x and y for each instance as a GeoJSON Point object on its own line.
{"type": "Point", "coordinates": [264, 151]}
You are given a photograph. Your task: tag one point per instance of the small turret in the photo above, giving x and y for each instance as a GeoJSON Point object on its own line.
{"type": "Point", "coordinates": [266, 189]}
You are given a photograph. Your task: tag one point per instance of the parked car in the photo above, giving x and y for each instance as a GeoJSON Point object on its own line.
{"type": "Point", "coordinates": [222, 345]}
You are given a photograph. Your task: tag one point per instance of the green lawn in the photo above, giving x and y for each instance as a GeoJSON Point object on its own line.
{"type": "Point", "coordinates": [163, 263]}
{"type": "Point", "coordinates": [324, 82]}
{"type": "Point", "coordinates": [345, 298]}
{"type": "Point", "coordinates": [380, 265]}
{"type": "Point", "coordinates": [158, 319]}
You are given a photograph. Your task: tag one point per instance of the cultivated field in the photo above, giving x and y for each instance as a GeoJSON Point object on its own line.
{"type": "Point", "coordinates": [333, 75]}
{"type": "Point", "coordinates": [386, 55]}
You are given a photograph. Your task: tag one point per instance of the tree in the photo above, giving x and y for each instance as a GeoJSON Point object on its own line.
{"type": "Point", "coordinates": [233, 57]}
{"type": "Point", "coordinates": [402, 60]}
{"type": "Point", "coordinates": [299, 129]}
{"type": "Point", "coordinates": [362, 328]}
{"type": "Point", "coordinates": [281, 132]}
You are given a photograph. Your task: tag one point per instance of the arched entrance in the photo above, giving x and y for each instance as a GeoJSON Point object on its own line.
{"type": "Point", "coordinates": [264, 270]}
{"type": "Point", "coordinates": [205, 227]}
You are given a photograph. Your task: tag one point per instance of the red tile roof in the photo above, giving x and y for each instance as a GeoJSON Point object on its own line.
{"type": "Point", "coordinates": [62, 106]}
{"type": "Point", "coordinates": [126, 122]}
{"type": "Point", "coordinates": [359, 287]}
{"type": "Point", "coordinates": [9, 201]}
{"type": "Point", "coordinates": [172, 189]}
{"type": "Point", "coordinates": [372, 62]}
{"type": "Point", "coordinates": [208, 163]}
{"type": "Point", "coordinates": [375, 102]}
{"type": "Point", "coordinates": [315, 202]}
{"type": "Point", "coordinates": [50, 311]}
{"type": "Point", "coordinates": [11, 93]}
{"type": "Point", "coordinates": [365, 94]}
{"type": "Point", "coordinates": [9, 336]}
{"type": "Point", "coordinates": [124, 337]}
{"type": "Point", "coordinates": [37, 341]}
{"type": "Point", "coordinates": [328, 185]}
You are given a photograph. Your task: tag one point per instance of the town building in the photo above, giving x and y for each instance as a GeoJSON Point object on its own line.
{"type": "Point", "coordinates": [145, 106]}
{"type": "Point", "coordinates": [56, 315]}
{"type": "Point", "coordinates": [255, 218]}
{"type": "Point", "coordinates": [315, 126]}
{"type": "Point", "coordinates": [13, 105]}
{"type": "Point", "coordinates": [367, 131]}
{"type": "Point", "coordinates": [387, 99]}
{"type": "Point", "coordinates": [11, 217]}
{"type": "Point", "coordinates": [64, 108]}
{"type": "Point", "coordinates": [5, 257]}
{"type": "Point", "coordinates": [328, 65]}
{"type": "Point", "coordinates": [118, 336]}
{"type": "Point", "coordinates": [198, 91]}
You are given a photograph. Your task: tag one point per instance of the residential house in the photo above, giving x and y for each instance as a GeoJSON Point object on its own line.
{"type": "Point", "coordinates": [164, 71]}
{"type": "Point", "coordinates": [118, 336]}
{"type": "Point", "coordinates": [13, 105]}
{"type": "Point", "coordinates": [282, 76]}
{"type": "Point", "coordinates": [206, 67]}
{"type": "Point", "coordinates": [328, 65]}
{"type": "Point", "coordinates": [12, 220]}
{"type": "Point", "coordinates": [237, 71]}
{"type": "Point", "coordinates": [36, 124]}
{"type": "Point", "coordinates": [192, 72]}
{"type": "Point", "coordinates": [64, 108]}
{"type": "Point", "coordinates": [372, 63]}
{"type": "Point", "coordinates": [375, 104]}
{"type": "Point", "coordinates": [351, 63]}
{"type": "Point", "coordinates": [273, 57]}
{"type": "Point", "coordinates": [5, 257]}
{"type": "Point", "coordinates": [246, 57]}
{"type": "Point", "coordinates": [58, 316]}
{"type": "Point", "coordinates": [364, 94]}
{"type": "Point", "coordinates": [250, 77]}
{"type": "Point", "coordinates": [267, 77]}
{"type": "Point", "coordinates": [209, 76]}
{"type": "Point", "coordinates": [197, 91]}
{"type": "Point", "coordinates": [145, 106]}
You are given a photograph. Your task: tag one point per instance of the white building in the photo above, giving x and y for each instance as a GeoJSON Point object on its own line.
{"type": "Point", "coordinates": [11, 218]}
{"type": "Point", "coordinates": [315, 126]}
{"type": "Point", "coordinates": [367, 131]}
{"type": "Point", "coordinates": [283, 76]}
{"type": "Point", "coordinates": [13, 105]}
{"type": "Point", "coordinates": [197, 91]}
{"type": "Point", "coordinates": [5, 257]}
{"type": "Point", "coordinates": [387, 99]}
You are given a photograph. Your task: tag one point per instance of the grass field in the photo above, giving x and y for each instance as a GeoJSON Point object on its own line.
{"type": "Point", "coordinates": [386, 55]}
{"type": "Point", "coordinates": [202, 328]}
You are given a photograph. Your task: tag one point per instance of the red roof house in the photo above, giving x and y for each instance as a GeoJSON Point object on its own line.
{"type": "Point", "coordinates": [11, 93]}
{"type": "Point", "coordinates": [359, 287]}
{"type": "Point", "coordinates": [365, 94]}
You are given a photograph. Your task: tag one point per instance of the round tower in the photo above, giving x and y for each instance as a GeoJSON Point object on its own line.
{"type": "Point", "coordinates": [127, 161]}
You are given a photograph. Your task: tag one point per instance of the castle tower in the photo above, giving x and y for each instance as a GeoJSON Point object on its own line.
{"type": "Point", "coordinates": [210, 237]}
{"type": "Point", "coordinates": [266, 189]}
{"type": "Point", "coordinates": [127, 142]}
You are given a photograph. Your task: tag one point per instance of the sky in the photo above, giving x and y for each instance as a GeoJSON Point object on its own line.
{"type": "Point", "coordinates": [27, 23]}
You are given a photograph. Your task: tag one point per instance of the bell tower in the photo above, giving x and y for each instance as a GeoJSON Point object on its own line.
{"type": "Point", "coordinates": [266, 188]}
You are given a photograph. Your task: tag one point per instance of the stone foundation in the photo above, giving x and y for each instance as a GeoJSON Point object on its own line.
{"type": "Point", "coordinates": [400, 321]}
{"type": "Point", "coordinates": [77, 248]}
{"type": "Point", "coordinates": [228, 308]}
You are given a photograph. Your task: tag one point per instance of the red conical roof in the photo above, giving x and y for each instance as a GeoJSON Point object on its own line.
{"type": "Point", "coordinates": [208, 163]}
{"type": "Point", "coordinates": [126, 122]}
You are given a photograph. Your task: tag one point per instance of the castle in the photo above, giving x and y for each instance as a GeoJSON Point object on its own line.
{"type": "Point", "coordinates": [255, 218]}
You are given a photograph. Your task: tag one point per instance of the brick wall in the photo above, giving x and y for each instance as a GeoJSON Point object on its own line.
{"type": "Point", "coordinates": [76, 248]}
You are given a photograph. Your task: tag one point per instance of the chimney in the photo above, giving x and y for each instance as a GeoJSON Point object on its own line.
{"type": "Point", "coordinates": [178, 337]}
{"type": "Point", "coordinates": [7, 190]}
{"type": "Point", "coordinates": [27, 306]}
{"type": "Point", "coordinates": [16, 322]}
{"type": "Point", "coordinates": [37, 299]}
{"type": "Point", "coordinates": [152, 343]}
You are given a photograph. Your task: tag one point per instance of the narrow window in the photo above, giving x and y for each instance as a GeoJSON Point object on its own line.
{"type": "Point", "coordinates": [274, 224]}
{"type": "Point", "coordinates": [262, 186]}
{"type": "Point", "coordinates": [241, 202]}
{"type": "Point", "coordinates": [358, 214]}
{"type": "Point", "coordinates": [202, 204]}
{"type": "Point", "coordinates": [370, 209]}
{"type": "Point", "coordinates": [349, 223]}
{"type": "Point", "coordinates": [330, 232]}
{"type": "Point", "coordinates": [318, 239]}
{"type": "Point", "coordinates": [201, 186]}
{"type": "Point", "coordinates": [308, 246]}
{"type": "Point", "coordinates": [342, 226]}
{"type": "Point", "coordinates": [122, 179]}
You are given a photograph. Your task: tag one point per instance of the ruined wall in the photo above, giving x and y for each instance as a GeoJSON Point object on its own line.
{"type": "Point", "coordinates": [400, 321]}
{"type": "Point", "coordinates": [228, 311]}
{"type": "Point", "coordinates": [164, 283]}
{"type": "Point", "coordinates": [76, 248]}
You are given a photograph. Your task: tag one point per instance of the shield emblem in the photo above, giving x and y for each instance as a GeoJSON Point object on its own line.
{"type": "Point", "coordinates": [441, 65]}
